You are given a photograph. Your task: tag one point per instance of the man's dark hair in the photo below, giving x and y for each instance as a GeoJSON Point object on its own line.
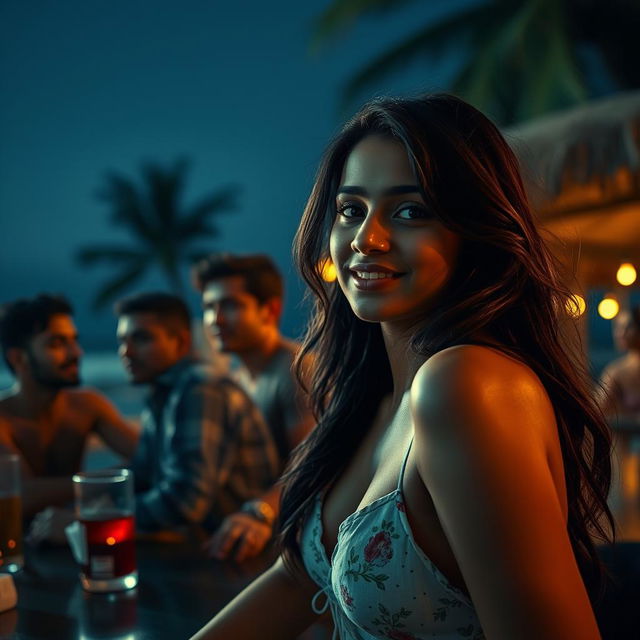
{"type": "Point", "coordinates": [23, 319]}
{"type": "Point", "coordinates": [170, 309]}
{"type": "Point", "coordinates": [261, 276]}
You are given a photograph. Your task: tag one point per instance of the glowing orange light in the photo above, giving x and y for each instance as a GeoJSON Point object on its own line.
{"type": "Point", "coordinates": [328, 270]}
{"type": "Point", "coordinates": [11, 544]}
{"type": "Point", "coordinates": [111, 540]}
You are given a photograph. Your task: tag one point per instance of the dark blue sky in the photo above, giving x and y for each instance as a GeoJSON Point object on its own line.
{"type": "Point", "coordinates": [88, 86]}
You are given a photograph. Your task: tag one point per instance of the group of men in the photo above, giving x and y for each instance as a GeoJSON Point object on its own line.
{"type": "Point", "coordinates": [209, 449]}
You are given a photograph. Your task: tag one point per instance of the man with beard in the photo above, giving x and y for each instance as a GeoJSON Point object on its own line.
{"type": "Point", "coordinates": [44, 417]}
{"type": "Point", "coordinates": [242, 301]}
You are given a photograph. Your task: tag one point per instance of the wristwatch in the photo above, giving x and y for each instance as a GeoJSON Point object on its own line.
{"type": "Point", "coordinates": [260, 510]}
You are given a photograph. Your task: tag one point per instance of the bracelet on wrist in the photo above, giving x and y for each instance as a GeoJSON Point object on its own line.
{"type": "Point", "coordinates": [260, 510]}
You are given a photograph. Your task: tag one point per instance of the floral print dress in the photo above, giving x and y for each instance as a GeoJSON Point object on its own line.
{"type": "Point", "coordinates": [379, 583]}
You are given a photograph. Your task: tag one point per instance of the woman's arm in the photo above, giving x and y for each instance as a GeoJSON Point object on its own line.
{"type": "Point", "coordinates": [485, 434]}
{"type": "Point", "coordinates": [275, 606]}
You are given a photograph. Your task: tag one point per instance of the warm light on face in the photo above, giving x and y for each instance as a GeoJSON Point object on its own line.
{"type": "Point", "coordinates": [626, 274]}
{"type": "Point", "coordinates": [392, 255]}
{"type": "Point", "coordinates": [576, 305]}
{"type": "Point", "coordinates": [328, 270]}
{"type": "Point", "coordinates": [608, 308]}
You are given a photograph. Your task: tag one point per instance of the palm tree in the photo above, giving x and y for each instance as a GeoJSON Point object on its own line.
{"type": "Point", "coordinates": [522, 58]}
{"type": "Point", "coordinates": [164, 231]}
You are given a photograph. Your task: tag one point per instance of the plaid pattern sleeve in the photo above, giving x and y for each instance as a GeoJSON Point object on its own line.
{"type": "Point", "coordinates": [142, 461]}
{"type": "Point", "coordinates": [214, 452]}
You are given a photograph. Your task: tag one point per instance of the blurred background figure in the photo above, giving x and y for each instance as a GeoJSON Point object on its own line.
{"type": "Point", "coordinates": [204, 449]}
{"type": "Point", "coordinates": [620, 381]}
{"type": "Point", "coordinates": [242, 299]}
{"type": "Point", "coordinates": [618, 394]}
{"type": "Point", "coordinates": [44, 417]}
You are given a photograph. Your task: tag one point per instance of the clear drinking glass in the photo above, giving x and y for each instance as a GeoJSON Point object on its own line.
{"type": "Point", "coordinates": [105, 510]}
{"type": "Point", "coordinates": [11, 553]}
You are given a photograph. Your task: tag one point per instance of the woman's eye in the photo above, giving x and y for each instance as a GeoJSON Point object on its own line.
{"type": "Point", "coordinates": [349, 210]}
{"type": "Point", "coordinates": [413, 212]}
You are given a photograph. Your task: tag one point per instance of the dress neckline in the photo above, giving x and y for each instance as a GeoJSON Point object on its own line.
{"type": "Point", "coordinates": [328, 561]}
{"type": "Point", "coordinates": [360, 511]}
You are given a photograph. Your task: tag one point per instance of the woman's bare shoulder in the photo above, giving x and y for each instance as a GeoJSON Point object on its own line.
{"type": "Point", "coordinates": [470, 367]}
{"type": "Point", "coordinates": [470, 385]}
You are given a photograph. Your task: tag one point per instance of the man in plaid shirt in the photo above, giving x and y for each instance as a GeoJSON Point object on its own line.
{"type": "Point", "coordinates": [205, 448]}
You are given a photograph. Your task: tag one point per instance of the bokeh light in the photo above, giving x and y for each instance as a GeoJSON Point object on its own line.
{"type": "Point", "coordinates": [576, 305]}
{"type": "Point", "coordinates": [626, 274]}
{"type": "Point", "coordinates": [328, 270]}
{"type": "Point", "coordinates": [608, 307]}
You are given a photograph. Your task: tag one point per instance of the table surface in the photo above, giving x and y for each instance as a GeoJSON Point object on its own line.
{"type": "Point", "coordinates": [178, 591]}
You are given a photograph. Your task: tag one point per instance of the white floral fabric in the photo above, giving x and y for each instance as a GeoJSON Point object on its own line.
{"type": "Point", "coordinates": [379, 583]}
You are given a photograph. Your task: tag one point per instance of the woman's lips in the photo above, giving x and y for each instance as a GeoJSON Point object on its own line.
{"type": "Point", "coordinates": [374, 280]}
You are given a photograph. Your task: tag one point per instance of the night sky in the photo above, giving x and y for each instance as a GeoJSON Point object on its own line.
{"type": "Point", "coordinates": [90, 86]}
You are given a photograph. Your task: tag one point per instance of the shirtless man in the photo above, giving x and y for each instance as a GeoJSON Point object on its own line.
{"type": "Point", "coordinates": [44, 418]}
{"type": "Point", "coordinates": [242, 302]}
{"type": "Point", "coordinates": [619, 391]}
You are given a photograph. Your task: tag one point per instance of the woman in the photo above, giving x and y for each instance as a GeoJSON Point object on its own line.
{"type": "Point", "coordinates": [459, 466]}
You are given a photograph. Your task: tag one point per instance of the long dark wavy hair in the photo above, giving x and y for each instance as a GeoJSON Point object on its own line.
{"type": "Point", "coordinates": [504, 287]}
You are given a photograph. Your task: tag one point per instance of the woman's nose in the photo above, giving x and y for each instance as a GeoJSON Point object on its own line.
{"type": "Point", "coordinates": [372, 236]}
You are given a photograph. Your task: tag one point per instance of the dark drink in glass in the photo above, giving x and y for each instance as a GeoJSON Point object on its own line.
{"type": "Point", "coordinates": [104, 509]}
{"type": "Point", "coordinates": [111, 551]}
{"type": "Point", "coordinates": [11, 554]}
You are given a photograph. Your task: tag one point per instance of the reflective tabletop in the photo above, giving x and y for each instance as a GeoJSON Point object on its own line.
{"type": "Point", "coordinates": [179, 589]}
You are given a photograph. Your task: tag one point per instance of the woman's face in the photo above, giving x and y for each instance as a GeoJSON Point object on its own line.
{"type": "Point", "coordinates": [392, 256]}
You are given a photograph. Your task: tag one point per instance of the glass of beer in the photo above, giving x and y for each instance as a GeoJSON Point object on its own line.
{"type": "Point", "coordinates": [11, 554]}
{"type": "Point", "coordinates": [105, 511]}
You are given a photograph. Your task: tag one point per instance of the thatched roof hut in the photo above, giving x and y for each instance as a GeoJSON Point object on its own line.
{"type": "Point", "coordinates": [582, 169]}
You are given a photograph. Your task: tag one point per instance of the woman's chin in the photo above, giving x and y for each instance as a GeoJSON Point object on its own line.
{"type": "Point", "coordinates": [374, 313]}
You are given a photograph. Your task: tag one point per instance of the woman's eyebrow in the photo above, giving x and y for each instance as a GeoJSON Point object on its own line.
{"type": "Point", "coordinates": [391, 191]}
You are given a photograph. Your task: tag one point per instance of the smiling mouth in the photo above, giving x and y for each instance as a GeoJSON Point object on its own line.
{"type": "Point", "coordinates": [374, 280]}
{"type": "Point", "coordinates": [375, 275]}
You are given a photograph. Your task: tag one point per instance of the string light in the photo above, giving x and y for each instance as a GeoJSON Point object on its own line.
{"type": "Point", "coordinates": [576, 305]}
{"type": "Point", "coordinates": [626, 274]}
{"type": "Point", "coordinates": [608, 307]}
{"type": "Point", "coordinates": [328, 270]}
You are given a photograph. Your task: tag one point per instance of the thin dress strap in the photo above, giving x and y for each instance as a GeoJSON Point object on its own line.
{"type": "Point", "coordinates": [404, 465]}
